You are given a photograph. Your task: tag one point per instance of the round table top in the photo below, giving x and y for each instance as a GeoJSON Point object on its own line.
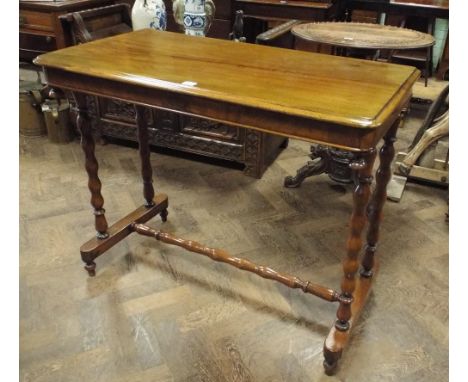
{"type": "Point", "coordinates": [362, 35]}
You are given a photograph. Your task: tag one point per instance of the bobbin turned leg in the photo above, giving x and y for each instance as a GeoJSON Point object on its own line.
{"type": "Point", "coordinates": [362, 168]}
{"type": "Point", "coordinates": [91, 165]}
{"type": "Point", "coordinates": [146, 170]}
{"type": "Point", "coordinates": [374, 210]}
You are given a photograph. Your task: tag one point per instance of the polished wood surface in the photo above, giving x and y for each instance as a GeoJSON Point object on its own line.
{"type": "Point", "coordinates": [91, 165]}
{"type": "Point", "coordinates": [363, 35]}
{"type": "Point", "coordinates": [40, 30]}
{"type": "Point", "coordinates": [244, 264]}
{"type": "Point", "coordinates": [374, 208]}
{"type": "Point", "coordinates": [214, 92]}
{"type": "Point", "coordinates": [115, 119]}
{"type": "Point", "coordinates": [283, 81]}
{"type": "Point", "coordinates": [68, 5]}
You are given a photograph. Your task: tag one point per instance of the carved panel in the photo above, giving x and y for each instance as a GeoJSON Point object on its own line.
{"type": "Point", "coordinates": [184, 142]}
{"type": "Point", "coordinates": [166, 120]}
{"type": "Point", "coordinates": [196, 144]}
{"type": "Point", "coordinates": [118, 130]}
{"type": "Point", "coordinates": [210, 129]}
{"type": "Point", "coordinates": [167, 129]}
{"type": "Point", "coordinates": [116, 110]}
{"type": "Point", "coordinates": [252, 147]}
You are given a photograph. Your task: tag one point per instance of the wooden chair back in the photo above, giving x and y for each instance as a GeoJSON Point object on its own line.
{"type": "Point", "coordinates": [93, 24]}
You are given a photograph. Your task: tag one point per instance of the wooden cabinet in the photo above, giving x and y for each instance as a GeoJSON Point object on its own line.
{"type": "Point", "coordinates": [39, 28]}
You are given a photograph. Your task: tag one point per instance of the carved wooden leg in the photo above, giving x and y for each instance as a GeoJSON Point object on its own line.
{"type": "Point", "coordinates": [362, 167]}
{"type": "Point", "coordinates": [334, 162]}
{"type": "Point", "coordinates": [374, 209]}
{"type": "Point", "coordinates": [91, 164]}
{"type": "Point", "coordinates": [317, 166]}
{"type": "Point", "coordinates": [363, 175]}
{"type": "Point", "coordinates": [146, 170]}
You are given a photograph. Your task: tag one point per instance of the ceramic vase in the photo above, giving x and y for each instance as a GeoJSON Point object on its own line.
{"type": "Point", "coordinates": [149, 14]}
{"type": "Point", "coordinates": [195, 16]}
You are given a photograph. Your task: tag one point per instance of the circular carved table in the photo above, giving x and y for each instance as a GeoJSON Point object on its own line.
{"type": "Point", "coordinates": [363, 36]}
{"type": "Point", "coordinates": [335, 162]}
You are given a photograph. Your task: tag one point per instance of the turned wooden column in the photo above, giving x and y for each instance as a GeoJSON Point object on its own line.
{"type": "Point", "coordinates": [374, 209]}
{"type": "Point", "coordinates": [91, 165]}
{"type": "Point", "coordinates": [146, 169]}
{"type": "Point", "coordinates": [362, 168]}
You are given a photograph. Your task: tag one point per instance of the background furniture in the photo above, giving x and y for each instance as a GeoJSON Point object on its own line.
{"type": "Point", "coordinates": [420, 160]}
{"type": "Point", "coordinates": [335, 162]}
{"type": "Point", "coordinates": [39, 28]}
{"type": "Point", "coordinates": [116, 119]}
{"type": "Point", "coordinates": [362, 36]}
{"type": "Point", "coordinates": [93, 24]}
{"type": "Point", "coordinates": [258, 14]}
{"type": "Point", "coordinates": [413, 14]}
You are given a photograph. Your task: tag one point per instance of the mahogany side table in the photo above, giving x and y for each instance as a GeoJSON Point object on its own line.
{"type": "Point", "coordinates": [338, 101]}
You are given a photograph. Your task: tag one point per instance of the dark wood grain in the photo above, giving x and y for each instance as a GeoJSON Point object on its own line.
{"type": "Point", "coordinates": [363, 35]}
{"type": "Point", "coordinates": [244, 264]}
{"type": "Point", "coordinates": [349, 116]}
{"type": "Point", "coordinates": [40, 30]}
{"type": "Point", "coordinates": [91, 164]}
{"type": "Point", "coordinates": [362, 168]}
{"type": "Point", "coordinates": [146, 170]}
{"type": "Point", "coordinates": [379, 196]}
{"type": "Point", "coordinates": [339, 101]}
{"type": "Point", "coordinates": [114, 119]}
{"type": "Point", "coordinates": [121, 229]}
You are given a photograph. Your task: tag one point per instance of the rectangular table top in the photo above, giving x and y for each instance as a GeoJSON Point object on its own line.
{"type": "Point", "coordinates": [348, 92]}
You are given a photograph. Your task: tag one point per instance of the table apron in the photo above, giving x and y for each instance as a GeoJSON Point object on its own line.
{"type": "Point", "coordinates": [273, 122]}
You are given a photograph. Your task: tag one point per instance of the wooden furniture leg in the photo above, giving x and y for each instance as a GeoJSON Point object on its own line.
{"type": "Point", "coordinates": [374, 209]}
{"type": "Point", "coordinates": [337, 339]}
{"type": "Point", "coordinates": [358, 290]}
{"type": "Point", "coordinates": [325, 159]}
{"type": "Point", "coordinates": [107, 237]}
{"type": "Point", "coordinates": [146, 170]}
{"type": "Point", "coordinates": [91, 165]}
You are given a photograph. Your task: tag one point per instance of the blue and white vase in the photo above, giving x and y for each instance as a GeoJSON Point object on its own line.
{"type": "Point", "coordinates": [195, 16]}
{"type": "Point", "coordinates": [149, 14]}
